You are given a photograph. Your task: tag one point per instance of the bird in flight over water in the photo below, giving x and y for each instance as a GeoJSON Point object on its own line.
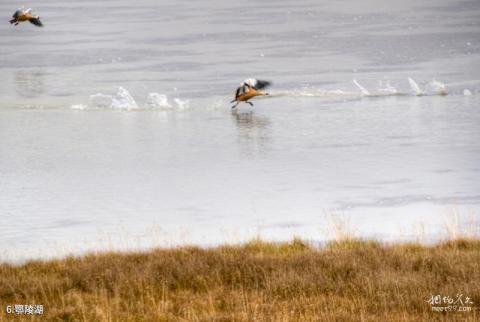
{"type": "Point", "coordinates": [248, 89]}
{"type": "Point", "coordinates": [22, 15]}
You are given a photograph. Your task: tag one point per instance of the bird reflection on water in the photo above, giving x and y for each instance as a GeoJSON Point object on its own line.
{"type": "Point", "coordinates": [253, 132]}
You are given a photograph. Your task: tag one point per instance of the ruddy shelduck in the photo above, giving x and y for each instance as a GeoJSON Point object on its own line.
{"type": "Point", "coordinates": [22, 15]}
{"type": "Point", "coordinates": [249, 89]}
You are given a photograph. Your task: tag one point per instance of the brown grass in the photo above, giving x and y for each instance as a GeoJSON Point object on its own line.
{"type": "Point", "coordinates": [349, 280]}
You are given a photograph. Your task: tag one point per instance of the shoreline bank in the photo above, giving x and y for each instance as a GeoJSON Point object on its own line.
{"type": "Point", "coordinates": [343, 280]}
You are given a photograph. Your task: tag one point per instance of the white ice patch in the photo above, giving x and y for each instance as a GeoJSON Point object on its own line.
{"type": "Point", "coordinates": [466, 92]}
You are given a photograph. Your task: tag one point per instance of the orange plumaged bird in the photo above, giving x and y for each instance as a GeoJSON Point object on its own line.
{"type": "Point", "coordinates": [249, 89]}
{"type": "Point", "coordinates": [22, 15]}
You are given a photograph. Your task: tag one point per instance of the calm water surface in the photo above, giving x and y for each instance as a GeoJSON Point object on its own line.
{"type": "Point", "coordinates": [116, 130]}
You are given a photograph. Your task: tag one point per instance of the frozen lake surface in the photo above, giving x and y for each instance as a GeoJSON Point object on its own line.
{"type": "Point", "coordinates": [116, 130]}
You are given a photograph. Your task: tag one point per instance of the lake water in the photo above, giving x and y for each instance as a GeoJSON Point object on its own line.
{"type": "Point", "coordinates": [116, 130]}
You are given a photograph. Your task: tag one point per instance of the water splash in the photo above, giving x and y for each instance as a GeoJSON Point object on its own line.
{"type": "Point", "coordinates": [313, 93]}
{"type": "Point", "coordinates": [467, 92]}
{"type": "Point", "coordinates": [121, 100]}
{"type": "Point", "coordinates": [435, 88]}
{"type": "Point", "coordinates": [383, 89]}
{"type": "Point", "coordinates": [182, 104]}
{"type": "Point", "coordinates": [78, 107]}
{"type": "Point", "coordinates": [156, 100]}
{"type": "Point", "coordinates": [387, 88]}
{"type": "Point", "coordinates": [414, 86]}
{"type": "Point", "coordinates": [362, 89]}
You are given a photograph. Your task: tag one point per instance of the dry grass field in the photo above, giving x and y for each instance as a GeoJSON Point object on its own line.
{"type": "Point", "coordinates": [349, 280]}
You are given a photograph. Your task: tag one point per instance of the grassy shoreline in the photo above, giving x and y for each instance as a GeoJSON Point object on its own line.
{"type": "Point", "coordinates": [349, 280]}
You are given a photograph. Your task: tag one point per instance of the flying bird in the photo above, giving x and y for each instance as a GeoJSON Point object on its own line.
{"type": "Point", "coordinates": [22, 15]}
{"type": "Point", "coordinates": [248, 89]}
